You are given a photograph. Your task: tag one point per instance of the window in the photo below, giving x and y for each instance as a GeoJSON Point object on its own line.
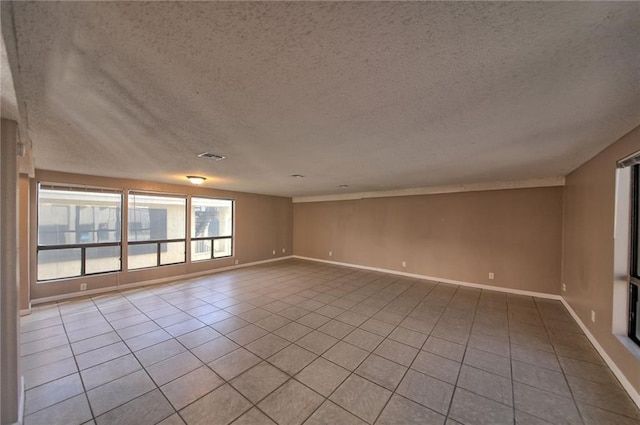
{"type": "Point", "coordinates": [634, 269]}
{"type": "Point", "coordinates": [79, 231]}
{"type": "Point", "coordinates": [156, 230]}
{"type": "Point", "coordinates": [211, 228]}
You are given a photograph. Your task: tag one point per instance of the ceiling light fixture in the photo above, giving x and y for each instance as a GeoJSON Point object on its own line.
{"type": "Point", "coordinates": [196, 179]}
{"type": "Point", "coordinates": [297, 176]}
{"type": "Point", "coordinates": [215, 156]}
{"type": "Point", "coordinates": [343, 186]}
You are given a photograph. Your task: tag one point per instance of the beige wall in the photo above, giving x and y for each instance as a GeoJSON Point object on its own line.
{"type": "Point", "coordinates": [10, 388]}
{"type": "Point", "coordinates": [587, 270]}
{"type": "Point", "coordinates": [515, 234]}
{"type": "Point", "coordinates": [262, 224]}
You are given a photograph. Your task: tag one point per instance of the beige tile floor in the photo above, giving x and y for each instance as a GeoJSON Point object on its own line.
{"type": "Point", "coordinates": [297, 342]}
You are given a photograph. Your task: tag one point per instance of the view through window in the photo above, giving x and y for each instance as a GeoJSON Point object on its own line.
{"type": "Point", "coordinates": [156, 230]}
{"type": "Point", "coordinates": [211, 228]}
{"type": "Point", "coordinates": [80, 230]}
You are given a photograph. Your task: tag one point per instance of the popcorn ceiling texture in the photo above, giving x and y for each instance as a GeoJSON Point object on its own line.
{"type": "Point", "coordinates": [378, 96]}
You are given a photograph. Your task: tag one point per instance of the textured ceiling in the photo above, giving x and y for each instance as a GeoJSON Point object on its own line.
{"type": "Point", "coordinates": [8, 101]}
{"type": "Point", "coordinates": [376, 95]}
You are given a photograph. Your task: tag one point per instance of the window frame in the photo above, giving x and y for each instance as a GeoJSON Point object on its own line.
{"type": "Point", "coordinates": [634, 266]}
{"type": "Point", "coordinates": [89, 239]}
{"type": "Point", "coordinates": [158, 242]}
{"type": "Point", "coordinates": [82, 246]}
{"type": "Point", "coordinates": [634, 290]}
{"type": "Point", "coordinates": [212, 239]}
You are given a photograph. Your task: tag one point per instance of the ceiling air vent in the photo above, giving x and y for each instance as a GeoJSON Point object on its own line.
{"type": "Point", "coordinates": [215, 156]}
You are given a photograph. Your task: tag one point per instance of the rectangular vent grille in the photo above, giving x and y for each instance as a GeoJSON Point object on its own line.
{"type": "Point", "coordinates": [215, 156]}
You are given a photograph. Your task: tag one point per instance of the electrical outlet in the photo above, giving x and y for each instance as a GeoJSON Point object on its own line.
{"type": "Point", "coordinates": [237, 261]}
{"type": "Point", "coordinates": [404, 264]}
{"type": "Point", "coordinates": [491, 275]}
{"type": "Point", "coordinates": [283, 250]}
{"type": "Point", "coordinates": [330, 253]}
{"type": "Point", "coordinates": [593, 316]}
{"type": "Point", "coordinates": [564, 287]}
{"type": "Point", "coordinates": [274, 252]}
{"type": "Point", "coordinates": [83, 286]}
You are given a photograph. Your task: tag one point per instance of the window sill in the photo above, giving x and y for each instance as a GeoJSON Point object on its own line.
{"type": "Point", "coordinates": [630, 345]}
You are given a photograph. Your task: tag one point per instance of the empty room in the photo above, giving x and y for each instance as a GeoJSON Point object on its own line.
{"type": "Point", "coordinates": [339, 213]}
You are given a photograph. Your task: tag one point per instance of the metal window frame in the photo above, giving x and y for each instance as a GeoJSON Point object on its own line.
{"type": "Point", "coordinates": [634, 290]}
{"type": "Point", "coordinates": [634, 272]}
{"type": "Point", "coordinates": [184, 197]}
{"type": "Point", "coordinates": [213, 238]}
{"type": "Point", "coordinates": [231, 237]}
{"type": "Point", "coordinates": [124, 220]}
{"type": "Point", "coordinates": [158, 244]}
{"type": "Point", "coordinates": [83, 247]}
{"type": "Point", "coordinates": [83, 257]}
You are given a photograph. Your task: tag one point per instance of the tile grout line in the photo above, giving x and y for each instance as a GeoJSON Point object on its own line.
{"type": "Point", "coordinates": [86, 397]}
{"type": "Point", "coordinates": [513, 391]}
{"type": "Point", "coordinates": [351, 373]}
{"type": "Point", "coordinates": [416, 355]}
{"type": "Point", "coordinates": [140, 310]}
{"type": "Point", "coordinates": [317, 279]}
{"type": "Point", "coordinates": [132, 352]}
{"type": "Point", "coordinates": [564, 375]}
{"type": "Point", "coordinates": [466, 346]}
{"type": "Point", "coordinates": [292, 377]}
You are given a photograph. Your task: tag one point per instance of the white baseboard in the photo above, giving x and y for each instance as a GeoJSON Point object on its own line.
{"type": "Point", "coordinates": [438, 279]}
{"type": "Point", "coordinates": [635, 396]}
{"type": "Point", "coordinates": [151, 282]}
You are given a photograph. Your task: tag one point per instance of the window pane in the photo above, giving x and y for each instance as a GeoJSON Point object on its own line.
{"type": "Point", "coordinates": [172, 252]}
{"type": "Point", "coordinates": [144, 255]}
{"type": "Point", "coordinates": [153, 218]}
{"type": "Point", "coordinates": [635, 268]}
{"type": "Point", "coordinates": [59, 263]}
{"type": "Point", "coordinates": [634, 311]}
{"type": "Point", "coordinates": [102, 259]}
{"type": "Point", "coordinates": [637, 315]}
{"type": "Point", "coordinates": [211, 217]}
{"type": "Point", "coordinates": [222, 248]}
{"type": "Point", "coordinates": [74, 217]}
{"type": "Point", "coordinates": [201, 250]}
{"type": "Point", "coordinates": [634, 302]}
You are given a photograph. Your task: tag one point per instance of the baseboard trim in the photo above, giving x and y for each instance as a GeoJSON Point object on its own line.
{"type": "Point", "coordinates": [90, 292]}
{"type": "Point", "coordinates": [635, 396]}
{"type": "Point", "coordinates": [437, 279]}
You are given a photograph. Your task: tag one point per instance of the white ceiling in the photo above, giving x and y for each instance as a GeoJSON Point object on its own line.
{"type": "Point", "coordinates": [378, 96]}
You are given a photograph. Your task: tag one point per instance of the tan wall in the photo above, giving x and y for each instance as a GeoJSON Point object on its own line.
{"type": "Point", "coordinates": [587, 270]}
{"type": "Point", "coordinates": [262, 224]}
{"type": "Point", "coordinates": [515, 234]}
